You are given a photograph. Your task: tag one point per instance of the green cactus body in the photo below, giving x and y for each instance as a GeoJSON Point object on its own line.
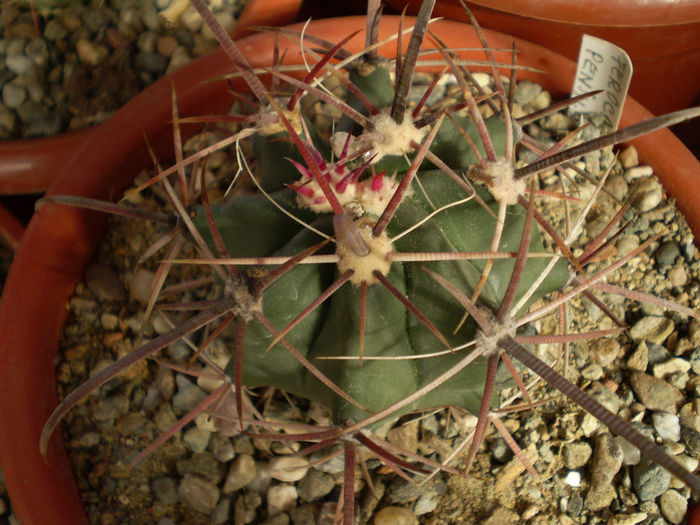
{"type": "Point", "coordinates": [252, 225]}
{"type": "Point", "coordinates": [333, 329]}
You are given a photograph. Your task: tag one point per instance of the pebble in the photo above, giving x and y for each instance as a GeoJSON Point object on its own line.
{"type": "Point", "coordinates": [54, 30]}
{"type": "Point", "coordinates": [628, 518]}
{"type": "Point", "coordinates": [668, 426]}
{"type": "Point", "coordinates": [70, 20]}
{"type": "Point", "coordinates": [86, 440]}
{"type": "Point", "coordinates": [198, 494]}
{"type": "Point", "coordinates": [573, 478]}
{"type": "Point", "coordinates": [605, 351]}
{"type": "Point", "coordinates": [429, 500]}
{"type": "Point", "coordinates": [638, 172]}
{"type": "Point", "coordinates": [647, 195]}
{"type": "Point", "coordinates": [221, 447]}
{"type": "Point", "coordinates": [404, 436]}
{"type": "Point", "coordinates": [288, 468]}
{"type": "Point", "coordinates": [94, 19]}
{"type": "Point", "coordinates": [395, 516]}
{"type": "Point", "coordinates": [224, 18]}
{"type": "Point", "coordinates": [241, 472]}
{"type": "Point", "coordinates": [165, 381]}
{"type": "Point", "coordinates": [605, 396]}
{"type": "Point", "coordinates": [246, 505]}
{"type": "Point", "coordinates": [191, 20]}
{"type": "Point", "coordinates": [188, 396]}
{"type": "Point", "coordinates": [629, 158]}
{"type": "Point", "coordinates": [671, 366]}
{"type": "Point", "coordinates": [90, 54]}
{"type": "Point", "coordinates": [677, 276]}
{"type": "Point", "coordinates": [690, 414]}
{"type": "Point", "coordinates": [657, 353]}
{"type": "Point", "coordinates": [165, 490]}
{"type": "Point", "coordinates": [673, 506]}
{"type": "Point", "coordinates": [166, 45]}
{"type": "Point", "coordinates": [281, 498]}
{"type": "Point", "coordinates": [45, 126]}
{"type": "Point", "coordinates": [164, 418]}
{"type": "Point", "coordinates": [599, 498]}
{"type": "Point", "coordinates": [203, 465]}
{"type": "Point", "coordinates": [306, 514]}
{"type": "Point", "coordinates": [576, 454]}
{"type": "Point", "coordinates": [607, 460]}
{"type": "Point", "coordinates": [649, 480]}
{"type": "Point", "coordinates": [19, 64]}
{"type": "Point", "coordinates": [147, 41]}
{"type": "Point", "coordinates": [654, 393]}
{"type": "Point", "coordinates": [262, 480]}
{"type": "Point", "coordinates": [196, 439]}
{"type": "Point", "coordinates": [652, 328]}
{"type": "Point", "coordinates": [617, 186]}
{"type": "Point", "coordinates": [502, 515]}
{"type": "Point", "coordinates": [206, 422]}
{"type": "Point", "coordinates": [8, 121]}
{"type": "Point", "coordinates": [222, 512]}
{"type": "Point", "coordinates": [179, 58]}
{"type": "Point", "coordinates": [149, 15]}
{"type": "Point", "coordinates": [315, 485]}
{"type": "Point", "coordinates": [626, 243]}
{"type": "Point", "coordinates": [110, 408]}
{"type": "Point", "coordinates": [500, 451]}
{"type": "Point", "coordinates": [691, 438]}
{"type": "Point", "coordinates": [150, 62]}
{"type": "Point", "coordinates": [630, 454]}
{"type": "Point", "coordinates": [115, 39]}
{"type": "Point", "coordinates": [104, 282]}
{"type": "Point", "coordinates": [140, 285]}
{"type": "Point", "coordinates": [277, 519]}
{"type": "Point", "coordinates": [639, 360]}
{"type": "Point", "coordinates": [667, 253]}
{"type": "Point", "coordinates": [13, 95]}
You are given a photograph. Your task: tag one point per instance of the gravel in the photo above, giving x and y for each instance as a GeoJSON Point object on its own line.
{"type": "Point", "coordinates": [82, 62]}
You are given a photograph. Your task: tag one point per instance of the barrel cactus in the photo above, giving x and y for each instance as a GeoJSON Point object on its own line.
{"type": "Point", "coordinates": [387, 264]}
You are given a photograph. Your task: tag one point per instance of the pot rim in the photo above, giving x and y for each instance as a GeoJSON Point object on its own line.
{"type": "Point", "coordinates": [602, 13]}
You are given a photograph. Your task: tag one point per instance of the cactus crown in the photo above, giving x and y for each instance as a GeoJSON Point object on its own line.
{"type": "Point", "coordinates": [388, 264]}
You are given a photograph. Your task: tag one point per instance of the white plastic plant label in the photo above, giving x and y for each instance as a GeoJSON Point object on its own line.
{"type": "Point", "coordinates": [604, 66]}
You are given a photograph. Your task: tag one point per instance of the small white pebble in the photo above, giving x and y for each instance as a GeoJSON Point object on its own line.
{"type": "Point", "coordinates": [573, 478]}
{"type": "Point", "coordinates": [638, 172]}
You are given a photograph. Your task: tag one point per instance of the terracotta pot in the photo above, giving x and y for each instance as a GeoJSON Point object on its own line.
{"type": "Point", "coordinates": [30, 165]}
{"type": "Point", "coordinates": [662, 37]}
{"type": "Point", "coordinates": [60, 241]}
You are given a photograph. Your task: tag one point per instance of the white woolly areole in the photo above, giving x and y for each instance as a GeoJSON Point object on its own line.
{"type": "Point", "coordinates": [318, 202]}
{"type": "Point", "coordinates": [395, 138]}
{"type": "Point", "coordinates": [359, 193]}
{"type": "Point", "coordinates": [374, 201]}
{"type": "Point", "coordinates": [364, 266]}
{"type": "Point", "coordinates": [499, 175]}
{"type": "Point", "coordinates": [386, 138]}
{"type": "Point", "coordinates": [270, 122]}
{"type": "Point", "coordinates": [488, 343]}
